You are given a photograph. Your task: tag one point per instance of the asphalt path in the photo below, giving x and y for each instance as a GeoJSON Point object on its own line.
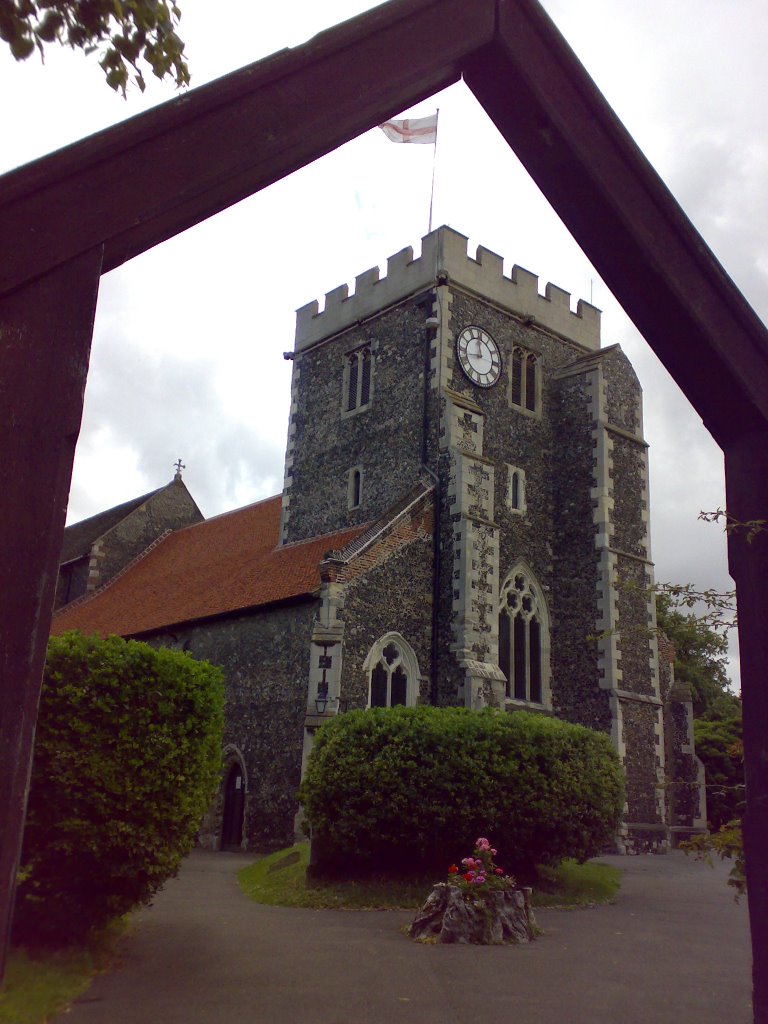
{"type": "Point", "coordinates": [674, 948]}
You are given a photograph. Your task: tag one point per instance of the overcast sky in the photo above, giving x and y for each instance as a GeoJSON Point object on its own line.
{"type": "Point", "coordinates": [187, 355]}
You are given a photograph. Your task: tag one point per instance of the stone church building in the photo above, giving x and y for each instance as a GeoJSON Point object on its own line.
{"type": "Point", "coordinates": [464, 520]}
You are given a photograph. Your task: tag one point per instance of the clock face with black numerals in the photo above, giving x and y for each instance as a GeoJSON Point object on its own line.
{"type": "Point", "coordinates": [479, 356]}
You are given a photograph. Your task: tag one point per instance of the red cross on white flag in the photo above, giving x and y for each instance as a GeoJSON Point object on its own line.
{"type": "Point", "coordinates": [419, 130]}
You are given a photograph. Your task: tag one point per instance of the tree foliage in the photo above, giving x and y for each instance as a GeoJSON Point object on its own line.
{"type": "Point", "coordinates": [719, 745]}
{"type": "Point", "coordinates": [700, 661]}
{"type": "Point", "coordinates": [727, 844]}
{"type": "Point", "coordinates": [408, 788]}
{"type": "Point", "coordinates": [127, 758]}
{"type": "Point", "coordinates": [700, 658]}
{"type": "Point", "coordinates": [124, 32]}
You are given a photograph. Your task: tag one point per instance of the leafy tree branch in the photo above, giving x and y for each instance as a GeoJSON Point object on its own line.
{"type": "Point", "coordinates": [123, 32]}
{"type": "Point", "coordinates": [752, 526]}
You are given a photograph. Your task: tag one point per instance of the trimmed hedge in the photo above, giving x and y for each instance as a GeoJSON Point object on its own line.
{"type": "Point", "coordinates": [127, 759]}
{"type": "Point", "coordinates": [404, 789]}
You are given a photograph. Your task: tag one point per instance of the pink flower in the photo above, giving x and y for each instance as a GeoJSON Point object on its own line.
{"type": "Point", "coordinates": [468, 861]}
{"type": "Point", "coordinates": [479, 879]}
{"type": "Point", "coordinates": [493, 852]}
{"type": "Point", "coordinates": [482, 844]}
{"type": "Point", "coordinates": [499, 871]}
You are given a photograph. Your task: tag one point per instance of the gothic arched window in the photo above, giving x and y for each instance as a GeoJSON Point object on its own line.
{"type": "Point", "coordinates": [524, 638]}
{"type": "Point", "coordinates": [393, 673]}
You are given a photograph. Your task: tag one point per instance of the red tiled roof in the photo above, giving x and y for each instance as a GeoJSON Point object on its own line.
{"type": "Point", "coordinates": [222, 565]}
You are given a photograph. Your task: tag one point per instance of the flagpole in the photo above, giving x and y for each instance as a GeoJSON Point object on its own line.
{"type": "Point", "coordinates": [434, 162]}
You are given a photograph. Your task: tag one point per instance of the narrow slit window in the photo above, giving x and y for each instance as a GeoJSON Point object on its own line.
{"type": "Point", "coordinates": [355, 488]}
{"type": "Point", "coordinates": [516, 489]}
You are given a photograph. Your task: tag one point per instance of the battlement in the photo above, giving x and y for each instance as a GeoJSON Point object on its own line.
{"type": "Point", "coordinates": [444, 255]}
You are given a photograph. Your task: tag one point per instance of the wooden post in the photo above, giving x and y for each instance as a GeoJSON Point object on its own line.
{"type": "Point", "coordinates": [45, 341]}
{"type": "Point", "coordinates": [746, 477]}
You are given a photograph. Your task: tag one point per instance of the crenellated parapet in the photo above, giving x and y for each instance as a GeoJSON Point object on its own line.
{"type": "Point", "coordinates": [444, 258]}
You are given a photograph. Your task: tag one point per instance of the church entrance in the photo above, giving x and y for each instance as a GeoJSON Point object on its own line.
{"type": "Point", "coordinates": [234, 808]}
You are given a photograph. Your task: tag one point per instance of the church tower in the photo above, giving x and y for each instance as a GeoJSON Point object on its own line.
{"type": "Point", "coordinates": [447, 376]}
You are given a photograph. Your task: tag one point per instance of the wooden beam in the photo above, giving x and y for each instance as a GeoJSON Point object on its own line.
{"type": "Point", "coordinates": [630, 226]}
{"type": "Point", "coordinates": [746, 470]}
{"type": "Point", "coordinates": [45, 341]}
{"type": "Point", "coordinates": [149, 178]}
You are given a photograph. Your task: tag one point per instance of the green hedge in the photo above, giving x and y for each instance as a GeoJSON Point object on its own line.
{"type": "Point", "coordinates": [127, 758]}
{"type": "Point", "coordinates": [412, 788]}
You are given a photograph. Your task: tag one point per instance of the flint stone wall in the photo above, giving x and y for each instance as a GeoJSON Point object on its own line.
{"type": "Point", "coordinates": [264, 659]}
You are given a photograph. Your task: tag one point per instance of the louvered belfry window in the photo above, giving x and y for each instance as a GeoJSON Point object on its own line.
{"type": "Point", "coordinates": [524, 380]}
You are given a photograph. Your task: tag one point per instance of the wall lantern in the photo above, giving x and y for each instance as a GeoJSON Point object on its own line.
{"type": "Point", "coordinates": [323, 702]}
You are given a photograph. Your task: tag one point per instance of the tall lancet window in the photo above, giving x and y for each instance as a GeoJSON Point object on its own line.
{"type": "Point", "coordinates": [524, 638]}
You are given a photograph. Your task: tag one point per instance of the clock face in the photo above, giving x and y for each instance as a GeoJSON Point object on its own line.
{"type": "Point", "coordinates": [479, 356]}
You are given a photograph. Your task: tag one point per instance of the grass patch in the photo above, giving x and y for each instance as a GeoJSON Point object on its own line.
{"type": "Point", "coordinates": [280, 880]}
{"type": "Point", "coordinates": [39, 984]}
{"type": "Point", "coordinates": [576, 885]}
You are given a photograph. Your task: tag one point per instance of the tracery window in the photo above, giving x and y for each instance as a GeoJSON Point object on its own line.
{"type": "Point", "coordinates": [357, 379]}
{"type": "Point", "coordinates": [524, 638]}
{"type": "Point", "coordinates": [524, 379]}
{"type": "Point", "coordinates": [393, 672]}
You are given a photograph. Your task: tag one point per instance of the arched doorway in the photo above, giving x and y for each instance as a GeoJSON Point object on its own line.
{"type": "Point", "coordinates": [234, 808]}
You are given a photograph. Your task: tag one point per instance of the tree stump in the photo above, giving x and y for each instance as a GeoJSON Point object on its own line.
{"type": "Point", "coordinates": [494, 918]}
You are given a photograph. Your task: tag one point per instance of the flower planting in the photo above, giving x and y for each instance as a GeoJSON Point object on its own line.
{"type": "Point", "coordinates": [479, 873]}
{"type": "Point", "coordinates": [479, 904]}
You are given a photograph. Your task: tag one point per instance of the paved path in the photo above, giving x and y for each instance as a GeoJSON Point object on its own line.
{"type": "Point", "coordinates": [673, 949]}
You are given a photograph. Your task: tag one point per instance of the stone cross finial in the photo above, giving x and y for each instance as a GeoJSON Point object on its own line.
{"type": "Point", "coordinates": [178, 466]}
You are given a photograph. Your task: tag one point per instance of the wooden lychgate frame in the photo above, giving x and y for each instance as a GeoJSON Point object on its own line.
{"type": "Point", "coordinates": [71, 216]}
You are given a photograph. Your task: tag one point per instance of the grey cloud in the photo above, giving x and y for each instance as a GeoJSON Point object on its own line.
{"type": "Point", "coordinates": [163, 408]}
